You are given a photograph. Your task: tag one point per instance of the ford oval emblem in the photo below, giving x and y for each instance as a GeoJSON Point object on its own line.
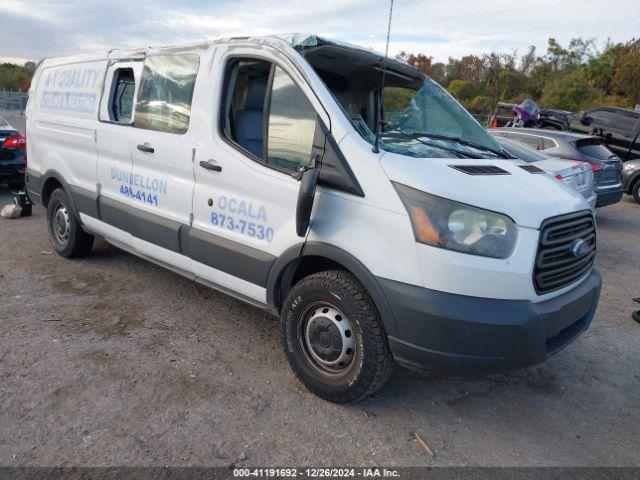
{"type": "Point", "coordinates": [579, 247]}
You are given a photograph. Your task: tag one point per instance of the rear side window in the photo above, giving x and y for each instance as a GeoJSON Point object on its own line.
{"type": "Point", "coordinates": [548, 143]}
{"type": "Point", "coordinates": [121, 105]}
{"type": "Point", "coordinates": [602, 118]}
{"type": "Point", "coordinates": [628, 123]}
{"type": "Point", "coordinates": [522, 151]}
{"type": "Point", "coordinates": [594, 149]}
{"type": "Point", "coordinates": [529, 140]}
{"type": "Point", "coordinates": [166, 92]}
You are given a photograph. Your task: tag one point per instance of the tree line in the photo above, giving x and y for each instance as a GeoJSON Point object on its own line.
{"type": "Point", "coordinates": [567, 78]}
{"type": "Point", "coordinates": [572, 78]}
{"type": "Point", "coordinates": [15, 77]}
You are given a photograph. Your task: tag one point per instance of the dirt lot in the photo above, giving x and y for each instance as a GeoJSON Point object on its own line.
{"type": "Point", "coordinates": [110, 360]}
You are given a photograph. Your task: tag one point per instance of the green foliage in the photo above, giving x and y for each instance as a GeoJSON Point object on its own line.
{"type": "Point", "coordinates": [480, 104]}
{"type": "Point", "coordinates": [463, 90]}
{"type": "Point", "coordinates": [571, 78]}
{"type": "Point", "coordinates": [570, 91]}
{"type": "Point", "coordinates": [14, 77]}
{"type": "Point", "coordinates": [395, 100]}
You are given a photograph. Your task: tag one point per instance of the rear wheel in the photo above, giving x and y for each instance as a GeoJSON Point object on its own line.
{"type": "Point", "coordinates": [333, 337]}
{"type": "Point", "coordinates": [66, 234]}
{"type": "Point", "coordinates": [636, 191]}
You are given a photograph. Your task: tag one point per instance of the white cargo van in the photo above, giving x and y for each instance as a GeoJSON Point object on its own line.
{"type": "Point", "coordinates": [436, 251]}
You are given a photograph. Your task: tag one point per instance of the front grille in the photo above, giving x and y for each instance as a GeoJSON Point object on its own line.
{"type": "Point", "coordinates": [560, 261]}
{"type": "Point", "coordinates": [480, 169]}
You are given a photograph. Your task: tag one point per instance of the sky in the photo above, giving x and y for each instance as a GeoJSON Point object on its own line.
{"type": "Point", "coordinates": [35, 29]}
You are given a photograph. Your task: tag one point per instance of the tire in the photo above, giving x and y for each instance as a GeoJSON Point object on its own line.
{"type": "Point", "coordinates": [636, 191]}
{"type": "Point", "coordinates": [66, 234]}
{"type": "Point", "coordinates": [330, 312]}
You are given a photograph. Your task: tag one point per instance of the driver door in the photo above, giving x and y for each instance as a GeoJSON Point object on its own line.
{"type": "Point", "coordinates": [246, 173]}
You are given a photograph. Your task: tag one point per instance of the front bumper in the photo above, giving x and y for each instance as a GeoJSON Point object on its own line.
{"type": "Point", "coordinates": [609, 195]}
{"type": "Point", "coordinates": [451, 334]}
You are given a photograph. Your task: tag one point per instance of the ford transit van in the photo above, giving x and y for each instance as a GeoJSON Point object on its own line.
{"type": "Point", "coordinates": [251, 165]}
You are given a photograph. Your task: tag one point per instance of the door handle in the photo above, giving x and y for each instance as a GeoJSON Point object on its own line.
{"type": "Point", "coordinates": [211, 165]}
{"type": "Point", "coordinates": [145, 147]}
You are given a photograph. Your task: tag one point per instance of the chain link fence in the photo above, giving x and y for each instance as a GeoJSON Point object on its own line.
{"type": "Point", "coordinates": [13, 101]}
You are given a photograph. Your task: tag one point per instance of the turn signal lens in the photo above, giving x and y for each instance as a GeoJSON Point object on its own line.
{"type": "Point", "coordinates": [424, 229]}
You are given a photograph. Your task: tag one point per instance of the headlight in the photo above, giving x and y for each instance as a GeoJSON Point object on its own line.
{"type": "Point", "coordinates": [456, 226]}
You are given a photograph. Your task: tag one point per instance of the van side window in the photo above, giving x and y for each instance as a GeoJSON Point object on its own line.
{"type": "Point", "coordinates": [266, 114]}
{"type": "Point", "coordinates": [121, 104]}
{"type": "Point", "coordinates": [244, 113]}
{"type": "Point", "coordinates": [166, 92]}
{"type": "Point", "coordinates": [292, 124]}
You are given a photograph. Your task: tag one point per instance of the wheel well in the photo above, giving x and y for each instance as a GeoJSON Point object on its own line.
{"type": "Point", "coordinates": [299, 269]}
{"type": "Point", "coordinates": [47, 189]}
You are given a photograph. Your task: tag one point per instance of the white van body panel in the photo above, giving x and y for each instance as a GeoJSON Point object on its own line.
{"type": "Point", "coordinates": [254, 205]}
{"type": "Point", "coordinates": [113, 140]}
{"type": "Point", "coordinates": [63, 133]}
{"type": "Point", "coordinates": [206, 204]}
{"type": "Point", "coordinates": [176, 262]}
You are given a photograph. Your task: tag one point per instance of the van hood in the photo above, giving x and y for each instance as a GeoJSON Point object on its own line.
{"type": "Point", "coordinates": [527, 198]}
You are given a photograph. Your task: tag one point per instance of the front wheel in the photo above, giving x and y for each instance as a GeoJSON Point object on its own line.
{"type": "Point", "coordinates": [66, 234]}
{"type": "Point", "coordinates": [333, 337]}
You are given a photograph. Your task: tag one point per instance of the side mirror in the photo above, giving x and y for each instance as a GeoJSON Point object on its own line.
{"type": "Point", "coordinates": [309, 177]}
{"type": "Point", "coordinates": [586, 120]}
{"type": "Point", "coordinates": [306, 194]}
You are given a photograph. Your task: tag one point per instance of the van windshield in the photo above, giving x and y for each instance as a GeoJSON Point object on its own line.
{"type": "Point", "coordinates": [419, 117]}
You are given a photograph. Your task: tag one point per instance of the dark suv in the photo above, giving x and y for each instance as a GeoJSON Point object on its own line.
{"type": "Point", "coordinates": [607, 167]}
{"type": "Point", "coordinates": [13, 156]}
{"type": "Point", "coordinates": [619, 128]}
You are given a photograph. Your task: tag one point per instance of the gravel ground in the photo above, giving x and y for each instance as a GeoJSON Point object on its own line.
{"type": "Point", "coordinates": [110, 360]}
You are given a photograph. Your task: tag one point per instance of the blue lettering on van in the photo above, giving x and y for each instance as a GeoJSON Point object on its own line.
{"type": "Point", "coordinates": [139, 187]}
{"type": "Point", "coordinates": [79, 78]}
{"type": "Point", "coordinates": [71, 89]}
{"type": "Point", "coordinates": [242, 217]}
{"type": "Point", "coordinates": [71, 101]}
{"type": "Point", "coordinates": [242, 208]}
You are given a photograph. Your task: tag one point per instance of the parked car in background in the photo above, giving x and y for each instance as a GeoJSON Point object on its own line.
{"type": "Point", "coordinates": [606, 165]}
{"type": "Point", "coordinates": [619, 127]}
{"type": "Point", "coordinates": [574, 174]}
{"type": "Point", "coordinates": [503, 116]}
{"type": "Point", "coordinates": [13, 155]}
{"type": "Point", "coordinates": [631, 178]}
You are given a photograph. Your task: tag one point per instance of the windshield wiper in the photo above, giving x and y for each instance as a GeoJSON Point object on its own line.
{"type": "Point", "coordinates": [463, 142]}
{"type": "Point", "coordinates": [413, 136]}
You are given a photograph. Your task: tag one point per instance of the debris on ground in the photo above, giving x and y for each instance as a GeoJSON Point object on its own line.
{"type": "Point", "coordinates": [423, 444]}
{"type": "Point", "coordinates": [11, 211]}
